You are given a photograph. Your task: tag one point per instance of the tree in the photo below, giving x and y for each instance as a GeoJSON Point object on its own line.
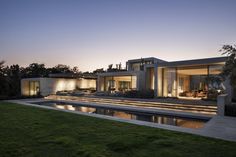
{"type": "Point", "coordinates": [229, 69]}
{"type": "Point", "coordinates": [3, 80]}
{"type": "Point", "coordinates": [101, 70]}
{"type": "Point", "coordinates": [60, 68]}
{"type": "Point", "coordinates": [14, 77]}
{"type": "Point", "coordinates": [35, 70]}
{"type": "Point", "coordinates": [76, 70]}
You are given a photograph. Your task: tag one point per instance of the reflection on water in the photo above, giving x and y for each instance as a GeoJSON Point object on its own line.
{"type": "Point", "coordinates": [160, 119]}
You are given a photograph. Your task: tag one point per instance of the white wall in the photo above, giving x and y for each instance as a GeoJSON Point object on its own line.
{"type": "Point", "coordinates": [86, 83]}
{"type": "Point", "coordinates": [52, 85]}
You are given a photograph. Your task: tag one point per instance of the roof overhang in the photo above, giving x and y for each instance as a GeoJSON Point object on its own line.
{"type": "Point", "coordinates": [121, 73]}
{"type": "Point", "coordinates": [195, 62]}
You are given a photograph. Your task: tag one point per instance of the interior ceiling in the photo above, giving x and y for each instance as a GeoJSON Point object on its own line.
{"type": "Point", "coordinates": [197, 72]}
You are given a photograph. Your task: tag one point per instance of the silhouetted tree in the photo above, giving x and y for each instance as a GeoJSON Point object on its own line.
{"type": "Point", "coordinates": [76, 70]}
{"type": "Point", "coordinates": [98, 71]}
{"type": "Point", "coordinates": [35, 70]}
{"type": "Point", "coordinates": [14, 77]}
{"type": "Point", "coordinates": [60, 68]}
{"type": "Point", "coordinates": [229, 69]}
{"type": "Point", "coordinates": [3, 80]}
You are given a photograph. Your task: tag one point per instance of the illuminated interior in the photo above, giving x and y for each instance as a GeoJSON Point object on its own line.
{"type": "Point", "coordinates": [86, 83]}
{"type": "Point", "coordinates": [34, 88]}
{"type": "Point", "coordinates": [187, 81]}
{"type": "Point", "coordinates": [120, 83]}
{"type": "Point", "coordinates": [47, 86]}
{"type": "Point", "coordinates": [64, 84]}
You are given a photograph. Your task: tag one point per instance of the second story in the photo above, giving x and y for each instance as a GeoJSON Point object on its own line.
{"type": "Point", "coordinates": [139, 64]}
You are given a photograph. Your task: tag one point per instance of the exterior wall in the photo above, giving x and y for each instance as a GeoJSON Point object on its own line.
{"type": "Point", "coordinates": [100, 84]}
{"type": "Point", "coordinates": [52, 85]}
{"type": "Point", "coordinates": [150, 78]}
{"type": "Point", "coordinates": [86, 83]}
{"type": "Point", "coordinates": [25, 87]}
{"type": "Point", "coordinates": [141, 81]}
{"type": "Point", "coordinates": [159, 85]}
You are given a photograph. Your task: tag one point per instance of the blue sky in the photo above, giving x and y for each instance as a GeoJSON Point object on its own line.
{"type": "Point", "coordinates": [91, 34]}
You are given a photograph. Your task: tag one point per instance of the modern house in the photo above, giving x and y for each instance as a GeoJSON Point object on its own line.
{"type": "Point", "coordinates": [56, 83]}
{"type": "Point", "coordinates": [184, 79]}
{"type": "Point", "coordinates": [188, 78]}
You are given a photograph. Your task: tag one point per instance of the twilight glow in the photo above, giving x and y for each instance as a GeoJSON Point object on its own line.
{"type": "Point", "coordinates": [91, 34]}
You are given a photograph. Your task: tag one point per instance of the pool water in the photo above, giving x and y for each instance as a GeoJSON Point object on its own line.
{"type": "Point", "coordinates": [125, 114]}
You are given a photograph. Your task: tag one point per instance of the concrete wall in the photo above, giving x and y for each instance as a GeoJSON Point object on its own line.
{"type": "Point", "coordinates": [25, 87]}
{"type": "Point", "coordinates": [100, 84]}
{"type": "Point", "coordinates": [86, 83]}
{"type": "Point", "coordinates": [141, 81]}
{"type": "Point", "coordinates": [52, 85]}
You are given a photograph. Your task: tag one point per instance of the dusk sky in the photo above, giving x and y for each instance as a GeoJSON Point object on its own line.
{"type": "Point", "coordinates": [91, 34]}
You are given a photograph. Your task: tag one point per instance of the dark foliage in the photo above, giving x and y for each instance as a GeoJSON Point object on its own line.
{"type": "Point", "coordinates": [229, 69]}
{"type": "Point", "coordinates": [145, 94]}
{"type": "Point", "coordinates": [10, 76]}
{"type": "Point", "coordinates": [230, 110]}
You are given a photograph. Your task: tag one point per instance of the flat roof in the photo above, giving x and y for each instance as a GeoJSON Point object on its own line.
{"type": "Point", "coordinates": [203, 61]}
{"type": "Point", "coordinates": [72, 75]}
{"type": "Point", "coordinates": [145, 59]}
{"type": "Point", "coordinates": [119, 73]}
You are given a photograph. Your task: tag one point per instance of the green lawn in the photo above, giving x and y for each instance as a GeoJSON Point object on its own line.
{"type": "Point", "coordinates": [28, 131]}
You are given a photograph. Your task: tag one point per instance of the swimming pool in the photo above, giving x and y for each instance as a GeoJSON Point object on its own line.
{"type": "Point", "coordinates": [180, 121]}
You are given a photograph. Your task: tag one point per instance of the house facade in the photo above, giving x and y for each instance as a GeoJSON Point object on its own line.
{"type": "Point", "coordinates": [193, 79]}
{"type": "Point", "coordinates": [56, 83]}
{"type": "Point", "coordinates": [188, 78]}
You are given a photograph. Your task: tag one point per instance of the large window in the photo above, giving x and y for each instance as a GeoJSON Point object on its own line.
{"type": "Point", "coordinates": [120, 83]}
{"type": "Point", "coordinates": [192, 81]}
{"type": "Point", "coordinates": [188, 81]}
{"type": "Point", "coordinates": [214, 80]}
{"type": "Point", "coordinates": [170, 82]}
{"type": "Point", "coordinates": [135, 67]}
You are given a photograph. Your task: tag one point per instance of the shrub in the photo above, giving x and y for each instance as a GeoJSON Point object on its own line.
{"type": "Point", "coordinates": [145, 94]}
{"type": "Point", "coordinates": [230, 110]}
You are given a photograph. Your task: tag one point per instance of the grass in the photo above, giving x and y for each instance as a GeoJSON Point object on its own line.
{"type": "Point", "coordinates": [33, 132]}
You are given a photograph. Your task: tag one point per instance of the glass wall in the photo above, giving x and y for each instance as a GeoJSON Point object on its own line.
{"type": "Point", "coordinates": [188, 81]}
{"type": "Point", "coordinates": [120, 83]}
{"type": "Point", "coordinates": [135, 66]}
{"type": "Point", "coordinates": [192, 81]}
{"type": "Point", "coordinates": [214, 81]}
{"type": "Point", "coordinates": [169, 82]}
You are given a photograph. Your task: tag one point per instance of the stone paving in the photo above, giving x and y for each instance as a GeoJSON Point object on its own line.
{"type": "Point", "coordinates": [144, 103]}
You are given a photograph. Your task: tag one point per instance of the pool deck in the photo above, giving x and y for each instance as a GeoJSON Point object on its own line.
{"type": "Point", "coordinates": [161, 104]}
{"type": "Point", "coordinates": [220, 127]}
{"type": "Point", "coordinates": [159, 100]}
